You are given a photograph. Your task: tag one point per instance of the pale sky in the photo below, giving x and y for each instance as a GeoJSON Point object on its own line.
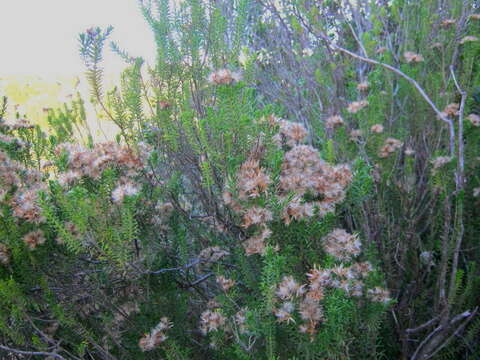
{"type": "Point", "coordinates": [40, 37]}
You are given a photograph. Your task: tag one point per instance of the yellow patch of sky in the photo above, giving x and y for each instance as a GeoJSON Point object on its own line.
{"type": "Point", "coordinates": [40, 61]}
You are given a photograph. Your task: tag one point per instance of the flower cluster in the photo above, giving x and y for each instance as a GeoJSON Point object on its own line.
{"type": "Point", "coordinates": [252, 180]}
{"type": "Point", "coordinates": [469, 38]}
{"type": "Point", "coordinates": [379, 294]}
{"type": "Point", "coordinates": [307, 297]}
{"type": "Point", "coordinates": [315, 185]}
{"type": "Point", "coordinates": [439, 162]}
{"type": "Point", "coordinates": [333, 122]}
{"type": "Point", "coordinates": [17, 124]}
{"type": "Point", "coordinates": [355, 134]}
{"type": "Point", "coordinates": [474, 119]}
{"type": "Point", "coordinates": [289, 132]}
{"type": "Point", "coordinates": [411, 57]}
{"type": "Point", "coordinates": [447, 22]}
{"type": "Point", "coordinates": [92, 162]}
{"type": "Point", "coordinates": [25, 186]}
{"type": "Point", "coordinates": [225, 284]}
{"type": "Point", "coordinates": [157, 335]}
{"type": "Point", "coordinates": [211, 320]}
{"type": "Point", "coordinates": [12, 140]}
{"type": "Point", "coordinates": [389, 147]}
{"type": "Point", "coordinates": [304, 172]}
{"type": "Point", "coordinates": [341, 245]}
{"type": "Point", "coordinates": [34, 238]}
{"type": "Point", "coordinates": [241, 320]}
{"type": "Point", "coordinates": [451, 109]}
{"type": "Point", "coordinates": [125, 188]}
{"type": "Point", "coordinates": [256, 244]}
{"type": "Point", "coordinates": [356, 106]}
{"type": "Point", "coordinates": [212, 254]}
{"type": "Point", "coordinates": [224, 77]}
{"type": "Point", "coordinates": [377, 129]}
{"type": "Point", "coordinates": [289, 288]}
{"type": "Point", "coordinates": [25, 204]}
{"type": "Point", "coordinates": [256, 216]}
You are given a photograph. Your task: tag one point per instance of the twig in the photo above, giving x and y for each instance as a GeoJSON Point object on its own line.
{"type": "Point", "coordinates": [39, 353]}
{"type": "Point", "coordinates": [200, 279]}
{"type": "Point", "coordinates": [459, 186]}
{"type": "Point", "coordinates": [423, 326]}
{"type": "Point", "coordinates": [179, 268]}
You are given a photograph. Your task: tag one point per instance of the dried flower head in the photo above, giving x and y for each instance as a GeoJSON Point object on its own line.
{"type": "Point", "coordinates": [92, 162]}
{"type": "Point", "coordinates": [474, 119]}
{"type": "Point", "coordinates": [451, 109]}
{"type": "Point", "coordinates": [448, 22]}
{"type": "Point", "coordinates": [356, 106]}
{"type": "Point", "coordinates": [157, 335]}
{"type": "Point", "coordinates": [292, 133]}
{"type": "Point", "coordinates": [333, 122]}
{"type": "Point", "coordinates": [241, 320]}
{"type": "Point", "coordinates": [21, 123]}
{"type": "Point", "coordinates": [256, 216]}
{"type": "Point", "coordinates": [34, 238]}
{"type": "Point", "coordinates": [342, 245]}
{"type": "Point", "coordinates": [284, 313]}
{"type": "Point", "coordinates": [212, 254]}
{"type": "Point", "coordinates": [469, 38]}
{"type": "Point", "coordinates": [310, 310]}
{"type": "Point", "coordinates": [440, 161]}
{"type": "Point", "coordinates": [379, 294]}
{"type": "Point", "coordinates": [224, 77]}
{"type": "Point", "coordinates": [211, 320]}
{"type": "Point", "coordinates": [128, 188]}
{"type": "Point", "coordinates": [289, 288]}
{"type": "Point", "coordinates": [252, 180]}
{"type": "Point", "coordinates": [297, 209]}
{"type": "Point", "coordinates": [390, 146]}
{"type": "Point", "coordinates": [411, 57]}
{"type": "Point", "coordinates": [377, 128]}
{"type": "Point", "coordinates": [361, 269]}
{"type": "Point", "coordinates": [355, 134]}
{"type": "Point", "coordinates": [225, 283]}
{"type": "Point", "coordinates": [256, 244]}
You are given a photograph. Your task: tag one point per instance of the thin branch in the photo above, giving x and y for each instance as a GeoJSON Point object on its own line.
{"type": "Point", "coordinates": [422, 92]}
{"type": "Point", "coordinates": [39, 353]}
{"type": "Point", "coordinates": [423, 326]}
{"type": "Point", "coordinates": [459, 182]}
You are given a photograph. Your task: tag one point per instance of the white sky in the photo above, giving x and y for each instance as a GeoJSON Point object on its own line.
{"type": "Point", "coordinates": [40, 37]}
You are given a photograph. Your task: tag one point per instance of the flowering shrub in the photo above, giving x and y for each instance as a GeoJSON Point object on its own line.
{"type": "Point", "coordinates": [320, 201]}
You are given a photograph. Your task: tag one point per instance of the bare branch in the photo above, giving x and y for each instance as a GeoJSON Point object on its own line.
{"type": "Point", "coordinates": [38, 353]}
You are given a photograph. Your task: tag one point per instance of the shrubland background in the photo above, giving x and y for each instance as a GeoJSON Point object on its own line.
{"type": "Point", "coordinates": [290, 179]}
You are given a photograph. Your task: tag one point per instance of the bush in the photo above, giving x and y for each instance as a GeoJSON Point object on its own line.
{"type": "Point", "coordinates": [214, 228]}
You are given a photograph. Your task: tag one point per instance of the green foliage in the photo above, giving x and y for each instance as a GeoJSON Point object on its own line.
{"type": "Point", "coordinates": [142, 229]}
